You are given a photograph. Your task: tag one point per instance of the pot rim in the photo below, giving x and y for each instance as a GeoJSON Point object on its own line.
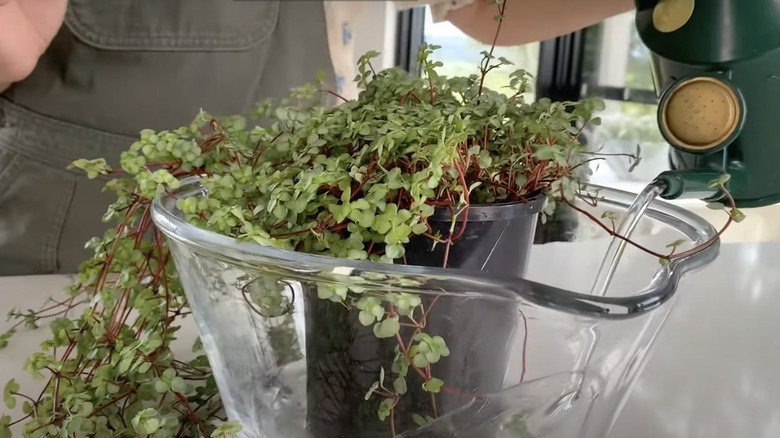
{"type": "Point", "coordinates": [534, 204]}
{"type": "Point", "coordinates": [318, 268]}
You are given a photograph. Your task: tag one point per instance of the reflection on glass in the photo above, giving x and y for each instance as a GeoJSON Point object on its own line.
{"type": "Point", "coordinates": [461, 54]}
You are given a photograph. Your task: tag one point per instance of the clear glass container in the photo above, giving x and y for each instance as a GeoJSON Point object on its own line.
{"type": "Point", "coordinates": [293, 357]}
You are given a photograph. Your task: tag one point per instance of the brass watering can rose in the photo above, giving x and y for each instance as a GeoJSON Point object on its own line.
{"type": "Point", "coordinates": [700, 114]}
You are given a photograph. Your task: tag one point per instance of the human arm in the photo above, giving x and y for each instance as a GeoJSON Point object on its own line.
{"type": "Point", "coordinates": [525, 21]}
{"type": "Point", "coordinates": [26, 29]}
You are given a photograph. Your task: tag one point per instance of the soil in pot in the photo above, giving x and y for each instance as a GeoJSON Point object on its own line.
{"type": "Point", "coordinates": [344, 357]}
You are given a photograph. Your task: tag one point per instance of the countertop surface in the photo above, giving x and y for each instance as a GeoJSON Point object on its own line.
{"type": "Point", "coordinates": [714, 373]}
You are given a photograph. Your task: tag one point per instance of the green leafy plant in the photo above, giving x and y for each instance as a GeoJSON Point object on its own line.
{"type": "Point", "coordinates": [356, 180]}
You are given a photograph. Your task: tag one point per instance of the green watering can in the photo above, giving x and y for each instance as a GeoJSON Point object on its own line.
{"type": "Point", "coordinates": [716, 67]}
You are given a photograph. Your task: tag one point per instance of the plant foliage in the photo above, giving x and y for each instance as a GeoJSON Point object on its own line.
{"type": "Point", "coordinates": [354, 180]}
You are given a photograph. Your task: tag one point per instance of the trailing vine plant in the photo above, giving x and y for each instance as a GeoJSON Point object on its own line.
{"type": "Point", "coordinates": [356, 180]}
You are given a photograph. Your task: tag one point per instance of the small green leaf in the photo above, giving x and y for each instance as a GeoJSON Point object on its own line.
{"type": "Point", "coordinates": [676, 243]}
{"type": "Point", "coordinates": [384, 408]}
{"type": "Point", "coordinates": [228, 429]}
{"type": "Point", "coordinates": [161, 386]}
{"type": "Point", "coordinates": [178, 385]}
{"type": "Point", "coordinates": [5, 429]}
{"type": "Point", "coordinates": [124, 365]}
{"type": "Point", "coordinates": [146, 422]}
{"type": "Point", "coordinates": [387, 328]}
{"type": "Point", "coordinates": [419, 228]}
{"type": "Point", "coordinates": [612, 215]}
{"type": "Point", "coordinates": [8, 393]}
{"type": "Point", "coordinates": [371, 390]}
{"type": "Point", "coordinates": [737, 215]}
{"type": "Point", "coordinates": [366, 318]}
{"type": "Point", "coordinates": [721, 181]}
{"type": "Point", "coordinates": [394, 251]}
{"type": "Point", "coordinates": [433, 385]}
{"type": "Point", "coordinates": [399, 385]}
{"type": "Point", "coordinates": [420, 360]}
{"type": "Point", "coordinates": [144, 367]}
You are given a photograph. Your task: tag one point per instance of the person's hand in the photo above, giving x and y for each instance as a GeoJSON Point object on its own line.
{"type": "Point", "coordinates": [26, 30]}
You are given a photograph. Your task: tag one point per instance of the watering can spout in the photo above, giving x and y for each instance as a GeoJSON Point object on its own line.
{"type": "Point", "coordinates": [689, 184]}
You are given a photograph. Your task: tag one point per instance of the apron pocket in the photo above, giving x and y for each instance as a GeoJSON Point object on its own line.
{"type": "Point", "coordinates": [34, 202]}
{"type": "Point", "coordinates": [47, 212]}
{"type": "Point", "coordinates": [206, 25]}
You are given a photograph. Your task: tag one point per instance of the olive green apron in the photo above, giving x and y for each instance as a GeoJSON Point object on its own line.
{"type": "Point", "coordinates": [119, 66]}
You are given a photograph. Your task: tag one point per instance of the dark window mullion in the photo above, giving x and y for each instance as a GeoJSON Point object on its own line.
{"type": "Point", "coordinates": [410, 33]}
{"type": "Point", "coordinates": [560, 67]}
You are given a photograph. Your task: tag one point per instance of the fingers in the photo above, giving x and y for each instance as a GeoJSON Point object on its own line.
{"type": "Point", "coordinates": [20, 44]}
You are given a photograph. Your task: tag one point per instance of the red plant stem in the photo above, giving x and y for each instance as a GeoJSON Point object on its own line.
{"type": "Point", "coordinates": [57, 393]}
{"type": "Point", "coordinates": [146, 220]}
{"type": "Point", "coordinates": [452, 391]}
{"type": "Point", "coordinates": [292, 233]}
{"type": "Point", "coordinates": [426, 312]}
{"type": "Point", "coordinates": [190, 412]}
{"type": "Point", "coordinates": [715, 237]}
{"type": "Point", "coordinates": [447, 247]}
{"type": "Point", "coordinates": [405, 352]}
{"type": "Point", "coordinates": [366, 177]}
{"type": "Point", "coordinates": [333, 93]}
{"type": "Point", "coordinates": [434, 238]}
{"type": "Point", "coordinates": [392, 422]}
{"type": "Point", "coordinates": [611, 232]}
{"type": "Point", "coordinates": [25, 396]}
{"type": "Point", "coordinates": [110, 402]}
{"type": "Point", "coordinates": [406, 96]}
{"type": "Point", "coordinates": [466, 194]}
{"type": "Point", "coordinates": [501, 8]}
{"type": "Point", "coordinates": [116, 325]}
{"type": "Point", "coordinates": [20, 420]}
{"type": "Point", "coordinates": [649, 251]}
{"type": "Point", "coordinates": [163, 261]}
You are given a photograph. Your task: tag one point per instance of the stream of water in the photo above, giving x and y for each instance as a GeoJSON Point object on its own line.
{"type": "Point", "coordinates": [615, 250]}
{"type": "Point", "coordinates": [610, 263]}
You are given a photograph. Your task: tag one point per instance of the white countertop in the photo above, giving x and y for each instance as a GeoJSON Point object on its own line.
{"type": "Point", "coordinates": [715, 371]}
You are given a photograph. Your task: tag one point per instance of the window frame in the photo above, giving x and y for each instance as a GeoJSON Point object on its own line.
{"type": "Point", "coordinates": [561, 62]}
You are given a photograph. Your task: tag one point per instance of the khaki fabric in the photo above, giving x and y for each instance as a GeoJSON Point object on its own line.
{"type": "Point", "coordinates": [120, 66]}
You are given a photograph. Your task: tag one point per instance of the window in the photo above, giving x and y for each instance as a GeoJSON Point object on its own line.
{"type": "Point", "coordinates": [620, 73]}
{"type": "Point", "coordinates": [461, 56]}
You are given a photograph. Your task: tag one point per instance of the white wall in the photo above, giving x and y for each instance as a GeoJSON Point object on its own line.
{"type": "Point", "coordinates": [375, 30]}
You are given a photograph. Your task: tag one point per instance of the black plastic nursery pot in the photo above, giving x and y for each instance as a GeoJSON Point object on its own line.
{"type": "Point", "coordinates": [344, 357]}
{"type": "Point", "coordinates": [497, 238]}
